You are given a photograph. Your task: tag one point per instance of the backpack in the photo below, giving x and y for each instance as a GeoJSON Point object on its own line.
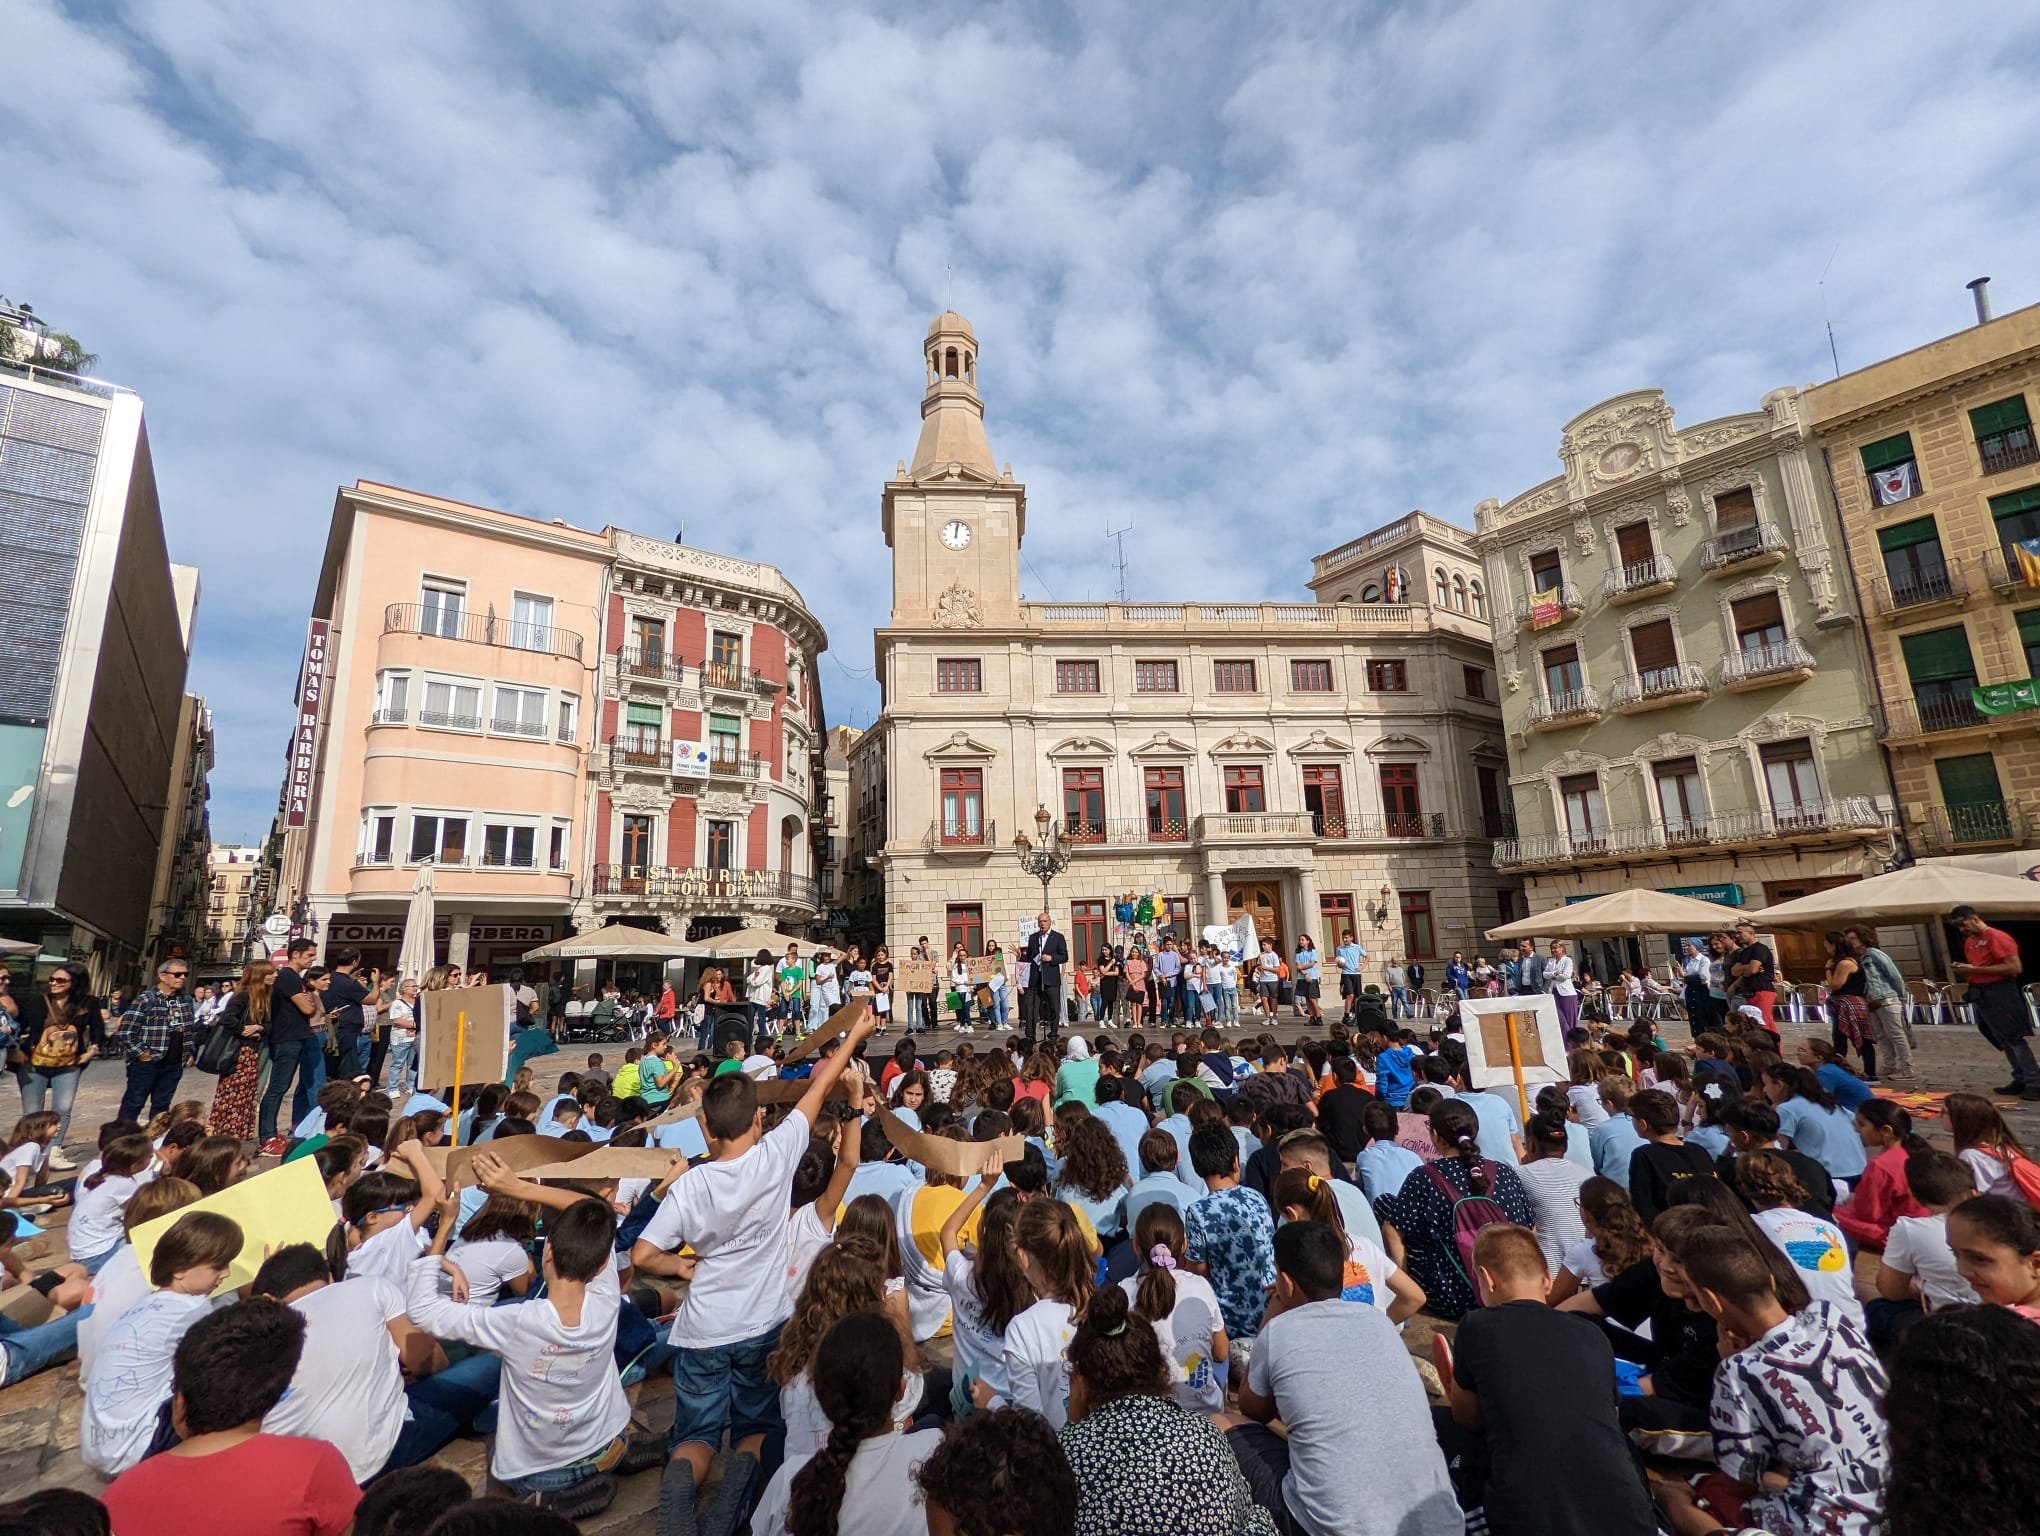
{"type": "Point", "coordinates": [55, 1048]}
{"type": "Point", "coordinates": [1470, 1213]}
{"type": "Point", "coordinates": [2024, 1171]}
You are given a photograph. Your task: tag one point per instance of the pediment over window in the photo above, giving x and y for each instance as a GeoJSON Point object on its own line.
{"type": "Point", "coordinates": [1161, 744]}
{"type": "Point", "coordinates": [1082, 747]}
{"type": "Point", "coordinates": [1670, 744]}
{"type": "Point", "coordinates": [1398, 744]}
{"type": "Point", "coordinates": [1488, 751]}
{"type": "Point", "coordinates": [1784, 728]}
{"type": "Point", "coordinates": [1242, 744]}
{"type": "Point", "coordinates": [1576, 762]}
{"type": "Point", "coordinates": [1321, 744]}
{"type": "Point", "coordinates": [960, 747]}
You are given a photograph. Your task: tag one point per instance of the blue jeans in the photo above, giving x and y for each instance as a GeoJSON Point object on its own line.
{"type": "Point", "coordinates": [445, 1406]}
{"type": "Point", "coordinates": [398, 1068]}
{"type": "Point", "coordinates": [567, 1476]}
{"type": "Point", "coordinates": [28, 1350]}
{"type": "Point", "coordinates": [723, 1385]}
{"type": "Point", "coordinates": [304, 1059]}
{"type": "Point", "coordinates": [152, 1083]}
{"type": "Point", "coordinates": [60, 1084]}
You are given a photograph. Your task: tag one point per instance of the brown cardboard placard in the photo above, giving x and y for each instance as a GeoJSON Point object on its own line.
{"type": "Point", "coordinates": [486, 1057]}
{"type": "Point", "coordinates": [791, 1090]}
{"type": "Point", "coordinates": [518, 1152]}
{"type": "Point", "coordinates": [606, 1162]}
{"type": "Point", "coordinates": [837, 1025]}
{"type": "Point", "coordinates": [916, 977]}
{"type": "Point", "coordinates": [957, 1159]}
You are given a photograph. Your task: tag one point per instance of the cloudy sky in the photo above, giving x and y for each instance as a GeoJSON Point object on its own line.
{"type": "Point", "coordinates": [1252, 281]}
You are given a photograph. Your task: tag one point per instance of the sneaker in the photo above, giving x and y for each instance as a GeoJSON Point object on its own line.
{"type": "Point", "coordinates": [647, 1448]}
{"type": "Point", "coordinates": [590, 1496]}
{"type": "Point", "coordinates": [2030, 1094]}
{"type": "Point", "coordinates": [2014, 1086]}
{"type": "Point", "coordinates": [273, 1147]}
{"type": "Point", "coordinates": [58, 1161]}
{"type": "Point", "coordinates": [1873, 1081]}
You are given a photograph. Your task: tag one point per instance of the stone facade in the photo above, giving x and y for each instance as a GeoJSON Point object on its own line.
{"type": "Point", "coordinates": [1316, 765]}
{"type": "Point", "coordinates": [1937, 475]}
{"type": "Point", "coordinates": [1684, 684]}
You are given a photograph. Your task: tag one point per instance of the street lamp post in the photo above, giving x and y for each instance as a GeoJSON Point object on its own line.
{"type": "Point", "coordinates": [1048, 855]}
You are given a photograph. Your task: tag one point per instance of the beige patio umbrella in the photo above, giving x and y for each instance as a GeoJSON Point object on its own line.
{"type": "Point", "coordinates": [1623, 912]}
{"type": "Point", "coordinates": [619, 941]}
{"type": "Point", "coordinates": [17, 947]}
{"type": "Point", "coordinates": [1922, 893]}
{"type": "Point", "coordinates": [417, 954]}
{"type": "Point", "coordinates": [744, 942]}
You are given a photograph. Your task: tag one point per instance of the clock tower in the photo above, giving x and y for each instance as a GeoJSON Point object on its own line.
{"type": "Point", "coordinates": [953, 519]}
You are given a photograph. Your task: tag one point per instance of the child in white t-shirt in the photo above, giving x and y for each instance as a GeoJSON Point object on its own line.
{"type": "Point", "coordinates": [95, 1227]}
{"type": "Point", "coordinates": [1817, 1248]}
{"type": "Point", "coordinates": [734, 1211]}
{"type": "Point", "coordinates": [1035, 1354]}
{"type": "Point", "coordinates": [1182, 1308]}
{"type": "Point", "coordinates": [130, 1380]}
{"type": "Point", "coordinates": [1916, 1273]}
{"type": "Point", "coordinates": [493, 1254]}
{"type": "Point", "coordinates": [564, 1423]}
{"type": "Point", "coordinates": [384, 1215]}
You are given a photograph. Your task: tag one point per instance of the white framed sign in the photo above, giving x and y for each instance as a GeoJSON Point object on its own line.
{"type": "Point", "coordinates": [690, 759]}
{"type": "Point", "coordinates": [1540, 1041]}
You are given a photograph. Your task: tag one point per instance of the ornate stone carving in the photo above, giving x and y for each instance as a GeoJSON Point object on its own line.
{"type": "Point", "coordinates": [1671, 744]}
{"type": "Point", "coordinates": [957, 608]}
{"type": "Point", "coordinates": [960, 744]}
{"type": "Point", "coordinates": [1242, 743]}
{"type": "Point", "coordinates": [1708, 439]}
{"type": "Point", "coordinates": [1618, 440]}
{"type": "Point", "coordinates": [1576, 762]}
{"type": "Point", "coordinates": [1081, 746]}
{"type": "Point", "coordinates": [1784, 728]}
{"type": "Point", "coordinates": [1321, 743]}
{"type": "Point", "coordinates": [721, 803]}
{"type": "Point", "coordinates": [1395, 744]}
{"type": "Point", "coordinates": [1678, 503]}
{"type": "Point", "coordinates": [641, 797]}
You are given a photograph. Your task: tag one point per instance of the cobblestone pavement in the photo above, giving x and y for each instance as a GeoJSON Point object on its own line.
{"type": "Point", "coordinates": [39, 1417]}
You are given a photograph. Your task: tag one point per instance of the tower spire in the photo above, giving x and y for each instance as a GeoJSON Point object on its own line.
{"type": "Point", "coordinates": [952, 414]}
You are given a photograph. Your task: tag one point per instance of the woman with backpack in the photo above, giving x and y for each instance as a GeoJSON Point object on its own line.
{"type": "Point", "coordinates": [1430, 1224]}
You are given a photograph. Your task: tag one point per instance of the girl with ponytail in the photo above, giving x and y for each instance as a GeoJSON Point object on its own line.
{"type": "Point", "coordinates": [860, 1478]}
{"type": "Point", "coordinates": [1181, 1307]}
{"type": "Point", "coordinates": [1881, 1196]}
{"type": "Point", "coordinates": [1371, 1278]}
{"type": "Point", "coordinates": [1421, 1222]}
{"type": "Point", "coordinates": [1057, 1262]}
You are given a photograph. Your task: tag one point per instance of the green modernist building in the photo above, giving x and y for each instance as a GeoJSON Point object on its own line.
{"type": "Point", "coordinates": [1686, 694]}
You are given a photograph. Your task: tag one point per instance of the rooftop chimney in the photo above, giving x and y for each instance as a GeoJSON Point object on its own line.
{"type": "Point", "coordinates": [1979, 289]}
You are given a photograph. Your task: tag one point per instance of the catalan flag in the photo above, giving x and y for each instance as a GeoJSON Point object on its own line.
{"type": "Point", "coordinates": [2027, 553]}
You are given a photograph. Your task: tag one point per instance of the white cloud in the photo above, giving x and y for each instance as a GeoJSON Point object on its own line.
{"type": "Point", "coordinates": [1254, 280]}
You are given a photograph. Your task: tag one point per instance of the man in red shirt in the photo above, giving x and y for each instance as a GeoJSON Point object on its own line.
{"type": "Point", "coordinates": [225, 1477]}
{"type": "Point", "coordinates": [1990, 964]}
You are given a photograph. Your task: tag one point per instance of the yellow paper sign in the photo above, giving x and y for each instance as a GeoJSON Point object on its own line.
{"type": "Point", "coordinates": [275, 1208]}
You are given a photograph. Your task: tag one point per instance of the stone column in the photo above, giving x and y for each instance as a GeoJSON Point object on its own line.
{"type": "Point", "coordinates": [1214, 897]}
{"type": "Point", "coordinates": [458, 924]}
{"type": "Point", "coordinates": [1307, 900]}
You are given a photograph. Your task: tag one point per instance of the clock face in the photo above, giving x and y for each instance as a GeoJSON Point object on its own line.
{"type": "Point", "coordinates": [955, 533]}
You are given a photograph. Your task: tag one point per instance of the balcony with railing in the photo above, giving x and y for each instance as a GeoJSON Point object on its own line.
{"type": "Point", "coordinates": [729, 677]}
{"type": "Point", "coordinates": [1930, 714]}
{"type": "Point", "coordinates": [2003, 571]}
{"type": "Point", "coordinates": [1803, 821]}
{"type": "Point", "coordinates": [1657, 688]}
{"type": "Point", "coordinates": [1554, 604]}
{"type": "Point", "coordinates": [1640, 578]}
{"type": "Point", "coordinates": [1986, 824]}
{"type": "Point", "coordinates": [1389, 827]}
{"type": "Point", "coordinates": [1561, 711]}
{"type": "Point", "coordinates": [649, 663]}
{"type": "Point", "coordinates": [640, 752]}
{"type": "Point", "coordinates": [1254, 826]}
{"type": "Point", "coordinates": [1766, 666]}
{"type": "Point", "coordinates": [395, 715]}
{"type": "Point", "coordinates": [656, 884]}
{"type": "Point", "coordinates": [449, 720]}
{"type": "Point", "coordinates": [2011, 449]}
{"type": "Point", "coordinates": [735, 765]}
{"type": "Point", "coordinates": [962, 838]}
{"type": "Point", "coordinates": [480, 629]}
{"type": "Point", "coordinates": [1919, 590]}
{"type": "Point", "coordinates": [1742, 547]}
{"type": "Point", "coordinates": [1127, 832]}
{"type": "Point", "coordinates": [535, 729]}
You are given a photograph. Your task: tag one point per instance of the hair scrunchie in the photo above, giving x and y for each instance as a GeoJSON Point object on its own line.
{"type": "Point", "coordinates": [1160, 1257]}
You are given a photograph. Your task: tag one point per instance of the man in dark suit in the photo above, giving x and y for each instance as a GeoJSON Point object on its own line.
{"type": "Point", "coordinates": [1046, 954]}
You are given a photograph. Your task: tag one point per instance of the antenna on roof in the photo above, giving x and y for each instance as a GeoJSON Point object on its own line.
{"type": "Point", "coordinates": [1834, 355]}
{"type": "Point", "coordinates": [1118, 538]}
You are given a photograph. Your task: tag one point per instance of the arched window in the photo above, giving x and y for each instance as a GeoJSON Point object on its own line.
{"type": "Point", "coordinates": [1345, 597]}
{"type": "Point", "coordinates": [1370, 593]}
{"type": "Point", "coordinates": [1459, 593]}
{"type": "Point", "coordinates": [1441, 593]}
{"type": "Point", "coordinates": [1479, 601]}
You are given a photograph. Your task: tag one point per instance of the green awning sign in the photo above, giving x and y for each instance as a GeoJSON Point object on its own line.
{"type": "Point", "coordinates": [2007, 698]}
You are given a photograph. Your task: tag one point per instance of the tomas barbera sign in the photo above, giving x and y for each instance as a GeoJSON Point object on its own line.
{"type": "Point", "coordinates": [304, 736]}
{"type": "Point", "coordinates": [2007, 698]}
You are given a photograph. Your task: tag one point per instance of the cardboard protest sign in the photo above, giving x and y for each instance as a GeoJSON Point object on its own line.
{"type": "Point", "coordinates": [485, 1058]}
{"type": "Point", "coordinates": [282, 1205]}
{"type": "Point", "coordinates": [791, 1090]}
{"type": "Point", "coordinates": [518, 1152]}
{"type": "Point", "coordinates": [1540, 1041]}
{"type": "Point", "coordinates": [837, 1025]}
{"type": "Point", "coordinates": [606, 1162]}
{"type": "Point", "coordinates": [957, 1159]}
{"type": "Point", "coordinates": [915, 976]}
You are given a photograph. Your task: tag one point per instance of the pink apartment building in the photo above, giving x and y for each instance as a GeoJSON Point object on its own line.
{"type": "Point", "coordinates": [571, 727]}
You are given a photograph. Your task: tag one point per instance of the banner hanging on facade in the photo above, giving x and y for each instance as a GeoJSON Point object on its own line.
{"type": "Point", "coordinates": [2007, 698]}
{"type": "Point", "coordinates": [304, 741]}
